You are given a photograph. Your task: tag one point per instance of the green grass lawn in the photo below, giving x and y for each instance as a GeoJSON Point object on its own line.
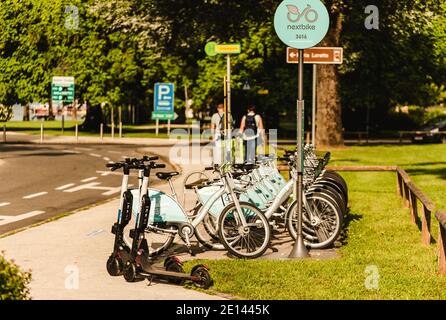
{"type": "Point", "coordinates": [378, 233]}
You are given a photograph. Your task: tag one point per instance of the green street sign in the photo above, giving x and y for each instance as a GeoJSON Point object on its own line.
{"type": "Point", "coordinates": [164, 116]}
{"type": "Point", "coordinates": [301, 24]}
{"type": "Point", "coordinates": [212, 48]}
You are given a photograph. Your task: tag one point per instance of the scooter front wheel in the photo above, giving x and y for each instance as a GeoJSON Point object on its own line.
{"type": "Point", "coordinates": [114, 266]}
{"type": "Point", "coordinates": [130, 272]}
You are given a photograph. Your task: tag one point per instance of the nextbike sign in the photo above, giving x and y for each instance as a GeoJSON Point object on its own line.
{"type": "Point", "coordinates": [301, 24]}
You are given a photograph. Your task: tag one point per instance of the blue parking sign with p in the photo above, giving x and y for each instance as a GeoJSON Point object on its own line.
{"type": "Point", "coordinates": [164, 97]}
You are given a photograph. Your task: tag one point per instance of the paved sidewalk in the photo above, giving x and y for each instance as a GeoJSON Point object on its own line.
{"type": "Point", "coordinates": [80, 244]}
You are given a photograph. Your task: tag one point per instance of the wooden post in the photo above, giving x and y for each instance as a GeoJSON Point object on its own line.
{"type": "Point", "coordinates": [398, 185]}
{"type": "Point", "coordinates": [426, 226]}
{"type": "Point", "coordinates": [413, 207]}
{"type": "Point", "coordinates": [441, 217]}
{"type": "Point", "coordinates": [442, 251]}
{"type": "Point", "coordinates": [157, 127]}
{"type": "Point", "coordinates": [308, 138]}
{"type": "Point", "coordinates": [405, 195]}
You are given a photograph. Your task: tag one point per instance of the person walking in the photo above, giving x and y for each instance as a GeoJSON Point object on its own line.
{"type": "Point", "coordinates": [218, 130]}
{"type": "Point", "coordinates": [252, 129]}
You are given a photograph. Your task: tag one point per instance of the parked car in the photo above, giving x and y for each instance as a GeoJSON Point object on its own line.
{"type": "Point", "coordinates": [432, 132]}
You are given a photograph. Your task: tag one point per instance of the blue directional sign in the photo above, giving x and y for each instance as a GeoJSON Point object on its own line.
{"type": "Point", "coordinates": [164, 98]}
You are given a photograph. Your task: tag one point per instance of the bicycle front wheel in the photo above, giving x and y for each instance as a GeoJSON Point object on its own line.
{"type": "Point", "coordinates": [249, 241]}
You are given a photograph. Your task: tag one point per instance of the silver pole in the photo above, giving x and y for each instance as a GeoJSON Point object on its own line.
{"type": "Point", "coordinates": [120, 129]}
{"type": "Point", "coordinates": [41, 132]}
{"type": "Point", "coordinates": [299, 250]}
{"type": "Point", "coordinates": [157, 127]}
{"type": "Point", "coordinates": [76, 130]}
{"type": "Point", "coordinates": [102, 131]}
{"type": "Point", "coordinates": [313, 120]}
{"type": "Point", "coordinates": [168, 127]}
{"type": "Point", "coordinates": [228, 156]}
{"type": "Point", "coordinates": [4, 133]}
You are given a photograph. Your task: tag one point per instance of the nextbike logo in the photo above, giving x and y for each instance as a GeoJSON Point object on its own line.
{"type": "Point", "coordinates": [294, 14]}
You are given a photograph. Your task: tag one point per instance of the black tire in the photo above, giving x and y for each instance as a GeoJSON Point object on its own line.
{"type": "Point", "coordinates": [332, 193]}
{"type": "Point", "coordinates": [337, 177]}
{"type": "Point", "coordinates": [130, 272]}
{"type": "Point", "coordinates": [258, 233]}
{"type": "Point", "coordinates": [205, 278]}
{"type": "Point", "coordinates": [175, 267]}
{"type": "Point", "coordinates": [114, 266]}
{"type": "Point", "coordinates": [326, 232]}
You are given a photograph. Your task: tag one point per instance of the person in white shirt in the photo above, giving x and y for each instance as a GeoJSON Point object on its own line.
{"type": "Point", "coordinates": [252, 129]}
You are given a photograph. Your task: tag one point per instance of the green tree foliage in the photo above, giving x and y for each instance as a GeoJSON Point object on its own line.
{"type": "Point", "coordinates": [13, 281]}
{"type": "Point", "coordinates": [122, 47]}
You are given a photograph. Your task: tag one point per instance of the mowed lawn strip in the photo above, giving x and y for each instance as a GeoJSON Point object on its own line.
{"type": "Point", "coordinates": [378, 237]}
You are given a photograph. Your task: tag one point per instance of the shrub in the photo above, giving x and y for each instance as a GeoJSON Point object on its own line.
{"type": "Point", "coordinates": [13, 281]}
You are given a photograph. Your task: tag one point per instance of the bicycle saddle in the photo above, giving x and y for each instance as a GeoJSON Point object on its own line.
{"type": "Point", "coordinates": [166, 175]}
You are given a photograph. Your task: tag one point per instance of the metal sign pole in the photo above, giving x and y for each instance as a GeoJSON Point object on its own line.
{"type": "Point", "coordinates": [313, 119]}
{"type": "Point", "coordinates": [299, 250]}
{"type": "Point", "coordinates": [228, 128]}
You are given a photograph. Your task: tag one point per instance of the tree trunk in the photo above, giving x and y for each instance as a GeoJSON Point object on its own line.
{"type": "Point", "coordinates": [329, 111]}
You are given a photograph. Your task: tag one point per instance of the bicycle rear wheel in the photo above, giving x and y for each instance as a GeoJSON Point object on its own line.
{"type": "Point", "coordinates": [250, 241]}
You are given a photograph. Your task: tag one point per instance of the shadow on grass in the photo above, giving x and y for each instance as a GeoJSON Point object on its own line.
{"type": "Point", "coordinates": [439, 172]}
{"type": "Point", "coordinates": [349, 218]}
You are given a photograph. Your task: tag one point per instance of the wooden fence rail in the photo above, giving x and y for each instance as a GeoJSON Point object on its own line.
{"type": "Point", "coordinates": [412, 197]}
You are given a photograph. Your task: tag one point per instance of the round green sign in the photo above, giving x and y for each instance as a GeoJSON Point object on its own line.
{"type": "Point", "coordinates": [210, 49]}
{"type": "Point", "coordinates": [301, 24]}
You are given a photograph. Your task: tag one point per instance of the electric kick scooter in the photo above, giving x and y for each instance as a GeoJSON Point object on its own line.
{"type": "Point", "coordinates": [135, 262]}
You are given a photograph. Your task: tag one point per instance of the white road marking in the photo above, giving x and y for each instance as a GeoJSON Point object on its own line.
{"type": "Point", "coordinates": [115, 152]}
{"type": "Point", "coordinates": [95, 186]}
{"type": "Point", "coordinates": [83, 149]}
{"type": "Point", "coordinates": [95, 233]}
{"type": "Point", "coordinates": [72, 151]}
{"type": "Point", "coordinates": [35, 195]}
{"type": "Point", "coordinates": [89, 179]}
{"type": "Point", "coordinates": [65, 186]}
{"type": "Point", "coordinates": [95, 155]}
{"type": "Point", "coordinates": [10, 219]}
{"type": "Point", "coordinates": [107, 159]}
{"type": "Point", "coordinates": [3, 204]}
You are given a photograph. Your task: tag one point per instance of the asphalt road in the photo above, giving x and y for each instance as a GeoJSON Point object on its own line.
{"type": "Point", "coordinates": [38, 182]}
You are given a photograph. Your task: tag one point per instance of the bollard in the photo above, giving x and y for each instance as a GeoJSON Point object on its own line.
{"type": "Point", "coordinates": [41, 132]}
{"type": "Point", "coordinates": [113, 131]}
{"type": "Point", "coordinates": [401, 137]}
{"type": "Point", "coordinates": [63, 124]}
{"type": "Point", "coordinates": [4, 133]}
{"type": "Point", "coordinates": [120, 129]}
{"type": "Point", "coordinates": [76, 132]}
{"type": "Point", "coordinates": [102, 131]}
